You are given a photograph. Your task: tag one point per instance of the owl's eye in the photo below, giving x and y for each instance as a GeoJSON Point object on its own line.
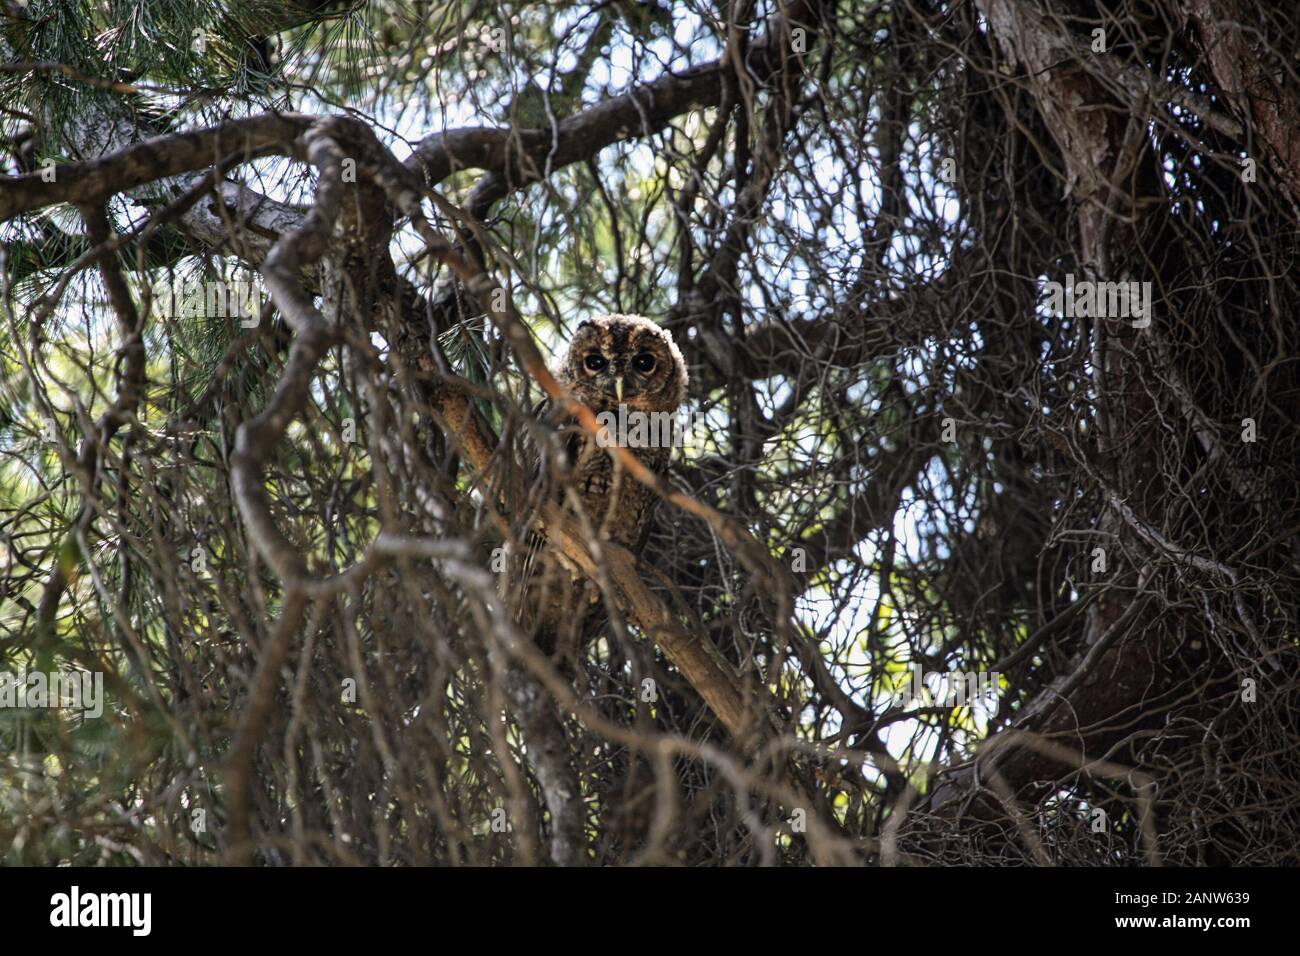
{"type": "Point", "coordinates": [644, 362]}
{"type": "Point", "coordinates": [595, 361]}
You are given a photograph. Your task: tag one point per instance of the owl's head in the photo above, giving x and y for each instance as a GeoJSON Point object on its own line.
{"type": "Point", "coordinates": [625, 359]}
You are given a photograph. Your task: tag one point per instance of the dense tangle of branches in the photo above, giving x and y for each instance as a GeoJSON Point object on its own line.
{"type": "Point", "coordinates": [289, 538]}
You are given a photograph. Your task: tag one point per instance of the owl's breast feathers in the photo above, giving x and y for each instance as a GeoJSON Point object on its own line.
{"type": "Point", "coordinates": [629, 372]}
{"type": "Point", "coordinates": [612, 498]}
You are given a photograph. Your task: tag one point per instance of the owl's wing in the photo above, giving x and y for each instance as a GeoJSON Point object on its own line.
{"type": "Point", "coordinates": [535, 544]}
{"type": "Point", "coordinates": [571, 449]}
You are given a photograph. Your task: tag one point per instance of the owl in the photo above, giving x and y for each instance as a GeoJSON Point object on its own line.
{"type": "Point", "coordinates": [630, 373]}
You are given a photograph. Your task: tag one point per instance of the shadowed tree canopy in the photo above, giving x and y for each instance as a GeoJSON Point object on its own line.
{"type": "Point", "coordinates": [982, 540]}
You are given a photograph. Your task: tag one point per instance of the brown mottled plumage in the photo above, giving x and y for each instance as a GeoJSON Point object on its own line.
{"type": "Point", "coordinates": [608, 353]}
{"type": "Point", "coordinates": [634, 351]}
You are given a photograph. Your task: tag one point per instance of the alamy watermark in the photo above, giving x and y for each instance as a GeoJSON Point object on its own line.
{"type": "Point", "coordinates": [1102, 300]}
{"type": "Point", "coordinates": [75, 690]}
{"type": "Point", "coordinates": [629, 428]}
{"type": "Point", "coordinates": [191, 298]}
{"type": "Point", "coordinates": [133, 911]}
{"type": "Point", "coordinates": [950, 689]}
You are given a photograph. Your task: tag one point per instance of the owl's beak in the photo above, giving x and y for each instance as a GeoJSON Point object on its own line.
{"type": "Point", "coordinates": [618, 387]}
